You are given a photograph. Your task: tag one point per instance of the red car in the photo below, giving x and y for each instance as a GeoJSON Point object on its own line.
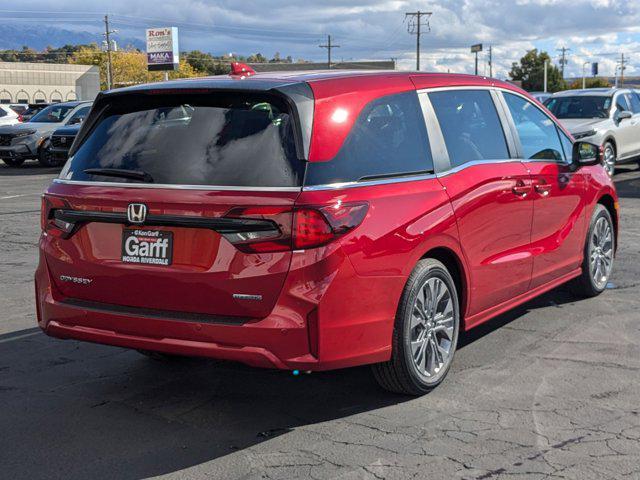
{"type": "Point", "coordinates": [314, 221]}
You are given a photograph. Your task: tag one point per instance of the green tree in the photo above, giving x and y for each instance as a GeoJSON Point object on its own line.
{"type": "Point", "coordinates": [530, 71]}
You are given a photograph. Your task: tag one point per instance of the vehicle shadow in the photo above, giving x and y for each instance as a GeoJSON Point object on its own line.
{"type": "Point", "coordinates": [78, 410]}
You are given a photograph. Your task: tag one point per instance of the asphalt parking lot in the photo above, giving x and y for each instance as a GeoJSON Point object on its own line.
{"type": "Point", "coordinates": [550, 390]}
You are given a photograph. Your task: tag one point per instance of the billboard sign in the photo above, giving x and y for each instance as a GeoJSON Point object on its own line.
{"type": "Point", "coordinates": [476, 48]}
{"type": "Point", "coordinates": [162, 48]}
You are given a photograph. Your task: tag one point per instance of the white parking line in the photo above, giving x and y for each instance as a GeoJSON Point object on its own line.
{"type": "Point", "coordinates": [18, 337]}
{"type": "Point", "coordinates": [21, 195]}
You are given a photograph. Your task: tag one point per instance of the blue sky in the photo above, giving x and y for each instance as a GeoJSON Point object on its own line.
{"type": "Point", "coordinates": [594, 30]}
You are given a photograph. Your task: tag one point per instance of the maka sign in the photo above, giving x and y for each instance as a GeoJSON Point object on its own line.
{"type": "Point", "coordinates": [162, 48]}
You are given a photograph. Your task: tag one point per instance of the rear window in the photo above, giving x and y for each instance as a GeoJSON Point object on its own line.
{"type": "Point", "coordinates": [239, 140]}
{"type": "Point", "coordinates": [388, 139]}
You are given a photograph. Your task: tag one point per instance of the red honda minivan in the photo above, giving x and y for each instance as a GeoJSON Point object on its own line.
{"type": "Point", "coordinates": [314, 221]}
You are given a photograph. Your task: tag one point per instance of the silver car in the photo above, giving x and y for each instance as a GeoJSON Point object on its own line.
{"type": "Point", "coordinates": [25, 141]}
{"type": "Point", "coordinates": [606, 116]}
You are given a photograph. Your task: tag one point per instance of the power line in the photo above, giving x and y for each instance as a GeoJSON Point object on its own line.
{"type": "Point", "coordinates": [414, 28]}
{"type": "Point", "coordinates": [107, 34]}
{"type": "Point", "coordinates": [563, 59]}
{"type": "Point", "coordinates": [622, 68]}
{"type": "Point", "coordinates": [329, 46]}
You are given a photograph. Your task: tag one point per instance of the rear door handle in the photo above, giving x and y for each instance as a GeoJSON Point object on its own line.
{"type": "Point", "coordinates": [521, 189]}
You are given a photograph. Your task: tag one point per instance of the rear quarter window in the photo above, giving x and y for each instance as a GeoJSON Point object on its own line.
{"type": "Point", "coordinates": [241, 140]}
{"type": "Point", "coordinates": [388, 139]}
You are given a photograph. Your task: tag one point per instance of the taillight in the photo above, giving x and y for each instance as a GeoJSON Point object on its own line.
{"type": "Point", "coordinates": [20, 119]}
{"type": "Point", "coordinates": [296, 228]}
{"type": "Point", "coordinates": [48, 222]}
{"type": "Point", "coordinates": [277, 239]}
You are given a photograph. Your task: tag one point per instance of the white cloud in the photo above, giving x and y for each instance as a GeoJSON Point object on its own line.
{"type": "Point", "coordinates": [376, 29]}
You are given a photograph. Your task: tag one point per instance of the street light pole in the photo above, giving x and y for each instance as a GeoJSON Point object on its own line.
{"type": "Point", "coordinates": [584, 75]}
{"type": "Point", "coordinates": [546, 65]}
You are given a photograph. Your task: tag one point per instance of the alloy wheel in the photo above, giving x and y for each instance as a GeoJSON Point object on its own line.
{"type": "Point", "coordinates": [609, 159]}
{"type": "Point", "coordinates": [432, 328]}
{"type": "Point", "coordinates": [601, 254]}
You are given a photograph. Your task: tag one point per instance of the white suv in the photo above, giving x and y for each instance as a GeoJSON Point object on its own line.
{"type": "Point", "coordinates": [606, 116]}
{"type": "Point", "coordinates": [8, 116]}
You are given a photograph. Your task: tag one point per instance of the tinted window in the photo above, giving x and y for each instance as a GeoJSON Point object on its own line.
{"type": "Point", "coordinates": [470, 125]}
{"type": "Point", "coordinates": [80, 114]}
{"type": "Point", "coordinates": [388, 138]}
{"type": "Point", "coordinates": [538, 134]}
{"type": "Point", "coordinates": [634, 102]}
{"type": "Point", "coordinates": [2, 112]}
{"type": "Point", "coordinates": [239, 140]}
{"type": "Point", "coordinates": [52, 114]}
{"type": "Point", "coordinates": [621, 103]}
{"type": "Point", "coordinates": [583, 106]}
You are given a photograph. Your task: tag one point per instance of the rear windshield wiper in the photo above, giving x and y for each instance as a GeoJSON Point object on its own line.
{"type": "Point", "coordinates": [122, 173]}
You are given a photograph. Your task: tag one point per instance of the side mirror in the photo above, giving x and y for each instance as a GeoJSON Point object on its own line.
{"type": "Point", "coordinates": [622, 114]}
{"type": "Point", "coordinates": [585, 153]}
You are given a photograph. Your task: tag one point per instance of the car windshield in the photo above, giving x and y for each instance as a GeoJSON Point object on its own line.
{"type": "Point", "coordinates": [52, 114]}
{"type": "Point", "coordinates": [587, 106]}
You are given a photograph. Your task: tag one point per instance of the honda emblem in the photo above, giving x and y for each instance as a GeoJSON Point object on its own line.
{"type": "Point", "coordinates": [136, 213]}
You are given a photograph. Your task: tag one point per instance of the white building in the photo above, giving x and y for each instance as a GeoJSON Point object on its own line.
{"type": "Point", "coordinates": [47, 82]}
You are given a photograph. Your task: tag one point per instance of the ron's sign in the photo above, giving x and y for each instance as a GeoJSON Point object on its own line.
{"type": "Point", "coordinates": [162, 49]}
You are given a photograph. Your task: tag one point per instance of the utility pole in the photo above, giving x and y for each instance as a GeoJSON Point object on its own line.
{"type": "Point", "coordinates": [546, 66]}
{"type": "Point", "coordinates": [414, 28]}
{"type": "Point", "coordinates": [107, 34]}
{"type": "Point", "coordinates": [622, 68]}
{"type": "Point", "coordinates": [329, 46]}
{"type": "Point", "coordinates": [563, 59]}
{"type": "Point", "coordinates": [490, 63]}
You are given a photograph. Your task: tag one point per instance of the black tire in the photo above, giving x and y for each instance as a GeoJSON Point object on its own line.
{"type": "Point", "coordinates": [46, 159]}
{"type": "Point", "coordinates": [13, 162]}
{"type": "Point", "coordinates": [586, 285]}
{"type": "Point", "coordinates": [400, 374]}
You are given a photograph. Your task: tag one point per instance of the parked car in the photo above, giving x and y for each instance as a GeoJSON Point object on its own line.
{"type": "Point", "coordinates": [58, 145]}
{"type": "Point", "coordinates": [540, 96]}
{"type": "Point", "coordinates": [418, 206]}
{"type": "Point", "coordinates": [19, 108]}
{"type": "Point", "coordinates": [606, 116]}
{"type": "Point", "coordinates": [28, 140]}
{"type": "Point", "coordinates": [8, 116]}
{"type": "Point", "coordinates": [32, 109]}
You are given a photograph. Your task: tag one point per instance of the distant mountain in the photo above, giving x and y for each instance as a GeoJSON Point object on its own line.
{"type": "Point", "coordinates": [36, 37]}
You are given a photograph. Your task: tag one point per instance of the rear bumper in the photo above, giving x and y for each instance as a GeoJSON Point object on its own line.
{"type": "Point", "coordinates": [307, 329]}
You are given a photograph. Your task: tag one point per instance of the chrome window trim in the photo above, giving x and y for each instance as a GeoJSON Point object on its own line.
{"type": "Point", "coordinates": [368, 183]}
{"type": "Point", "coordinates": [474, 163]}
{"type": "Point", "coordinates": [176, 187]}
